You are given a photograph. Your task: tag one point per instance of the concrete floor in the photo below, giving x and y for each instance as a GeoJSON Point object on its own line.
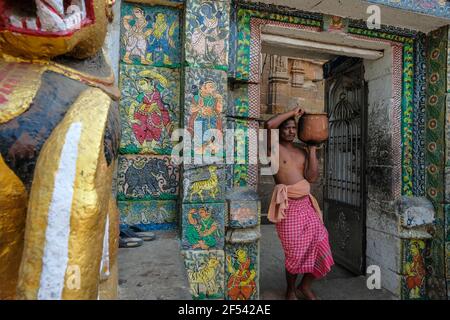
{"type": "Point", "coordinates": [155, 271]}
{"type": "Point", "coordinates": [339, 284]}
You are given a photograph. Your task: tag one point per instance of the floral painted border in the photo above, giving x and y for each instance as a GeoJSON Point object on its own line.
{"type": "Point", "coordinates": [435, 158]}
{"type": "Point", "coordinates": [407, 119]}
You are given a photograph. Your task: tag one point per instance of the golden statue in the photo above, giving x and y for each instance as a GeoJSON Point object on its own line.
{"type": "Point", "coordinates": [59, 136]}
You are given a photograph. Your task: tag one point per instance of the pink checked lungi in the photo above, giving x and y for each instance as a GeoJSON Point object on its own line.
{"type": "Point", "coordinates": [304, 239]}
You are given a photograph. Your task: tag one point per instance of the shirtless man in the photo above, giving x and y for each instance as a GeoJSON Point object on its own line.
{"type": "Point", "coordinates": [296, 213]}
{"type": "Point", "coordinates": [293, 160]}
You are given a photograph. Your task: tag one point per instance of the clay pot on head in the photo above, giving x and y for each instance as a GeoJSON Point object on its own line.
{"type": "Point", "coordinates": [313, 128]}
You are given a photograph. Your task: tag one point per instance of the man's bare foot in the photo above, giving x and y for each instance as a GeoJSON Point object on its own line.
{"type": "Point", "coordinates": [305, 293]}
{"type": "Point", "coordinates": [290, 295]}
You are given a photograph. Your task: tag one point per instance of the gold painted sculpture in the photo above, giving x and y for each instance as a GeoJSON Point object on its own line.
{"type": "Point", "coordinates": [59, 136]}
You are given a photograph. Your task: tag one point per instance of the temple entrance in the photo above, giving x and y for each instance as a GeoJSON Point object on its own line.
{"type": "Point", "coordinates": [349, 84]}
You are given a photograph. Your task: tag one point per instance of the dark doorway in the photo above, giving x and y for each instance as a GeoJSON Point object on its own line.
{"type": "Point", "coordinates": [344, 194]}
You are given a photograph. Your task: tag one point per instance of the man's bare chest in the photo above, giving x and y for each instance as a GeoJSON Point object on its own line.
{"type": "Point", "coordinates": [291, 159]}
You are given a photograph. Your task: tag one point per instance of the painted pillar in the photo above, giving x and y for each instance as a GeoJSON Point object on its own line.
{"type": "Point", "coordinates": [204, 184]}
{"type": "Point", "coordinates": [435, 160]}
{"type": "Point", "coordinates": [242, 267]}
{"type": "Point", "coordinates": [149, 80]}
{"type": "Point", "coordinates": [278, 82]}
{"type": "Point", "coordinates": [447, 172]}
{"type": "Point", "coordinates": [417, 215]}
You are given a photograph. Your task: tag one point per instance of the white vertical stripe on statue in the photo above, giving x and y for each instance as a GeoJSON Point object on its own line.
{"type": "Point", "coordinates": [56, 248]}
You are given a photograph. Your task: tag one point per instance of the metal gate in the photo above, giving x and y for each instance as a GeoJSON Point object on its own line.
{"type": "Point", "coordinates": [345, 187]}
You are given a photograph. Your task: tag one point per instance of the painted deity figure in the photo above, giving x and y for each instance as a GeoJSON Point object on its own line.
{"type": "Point", "coordinates": [202, 231]}
{"type": "Point", "coordinates": [241, 283]}
{"type": "Point", "coordinates": [207, 104]}
{"type": "Point", "coordinates": [158, 44]}
{"type": "Point", "coordinates": [207, 38]}
{"type": "Point", "coordinates": [59, 138]}
{"type": "Point", "coordinates": [149, 115]}
{"type": "Point", "coordinates": [415, 270]}
{"type": "Point", "coordinates": [135, 36]}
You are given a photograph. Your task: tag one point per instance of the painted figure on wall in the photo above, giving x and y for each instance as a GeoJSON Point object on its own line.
{"type": "Point", "coordinates": [149, 115]}
{"type": "Point", "coordinates": [135, 37]}
{"type": "Point", "coordinates": [59, 138]}
{"type": "Point", "coordinates": [149, 108]}
{"type": "Point", "coordinates": [162, 41]}
{"type": "Point", "coordinates": [202, 231]}
{"type": "Point", "coordinates": [415, 270]}
{"type": "Point", "coordinates": [206, 107]}
{"type": "Point", "coordinates": [208, 33]}
{"type": "Point", "coordinates": [241, 283]}
{"type": "Point", "coordinates": [150, 35]}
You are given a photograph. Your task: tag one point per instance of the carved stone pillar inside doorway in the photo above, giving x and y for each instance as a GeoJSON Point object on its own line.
{"type": "Point", "coordinates": [278, 83]}
{"type": "Point", "coordinates": [298, 74]}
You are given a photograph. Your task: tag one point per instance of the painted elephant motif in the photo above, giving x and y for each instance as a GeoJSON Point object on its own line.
{"type": "Point", "coordinates": [154, 177]}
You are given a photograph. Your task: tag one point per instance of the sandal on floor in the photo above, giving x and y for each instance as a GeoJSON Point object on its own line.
{"type": "Point", "coordinates": [144, 235]}
{"type": "Point", "coordinates": [130, 242]}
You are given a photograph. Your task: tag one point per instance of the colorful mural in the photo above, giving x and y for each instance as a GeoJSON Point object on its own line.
{"type": "Point", "coordinates": [238, 104]}
{"type": "Point", "coordinates": [447, 172]}
{"type": "Point", "coordinates": [407, 119]}
{"type": "Point", "coordinates": [150, 35]}
{"type": "Point", "coordinates": [419, 116]}
{"type": "Point", "coordinates": [434, 158]}
{"type": "Point", "coordinates": [245, 169]}
{"type": "Point", "coordinates": [413, 283]}
{"type": "Point", "coordinates": [147, 177]}
{"type": "Point", "coordinates": [149, 109]}
{"type": "Point", "coordinates": [149, 215]}
{"type": "Point", "coordinates": [203, 226]}
{"type": "Point", "coordinates": [240, 175]}
{"type": "Point", "coordinates": [232, 42]}
{"type": "Point", "coordinates": [207, 30]}
{"type": "Point", "coordinates": [148, 183]}
{"type": "Point", "coordinates": [205, 103]}
{"type": "Point", "coordinates": [335, 24]}
{"type": "Point", "coordinates": [244, 214]}
{"type": "Point", "coordinates": [205, 100]}
{"type": "Point", "coordinates": [205, 270]}
{"type": "Point", "coordinates": [203, 184]}
{"type": "Point", "coordinates": [241, 271]}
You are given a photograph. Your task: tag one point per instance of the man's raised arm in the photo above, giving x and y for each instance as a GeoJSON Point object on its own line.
{"type": "Point", "coordinates": [312, 166]}
{"type": "Point", "coordinates": [274, 122]}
